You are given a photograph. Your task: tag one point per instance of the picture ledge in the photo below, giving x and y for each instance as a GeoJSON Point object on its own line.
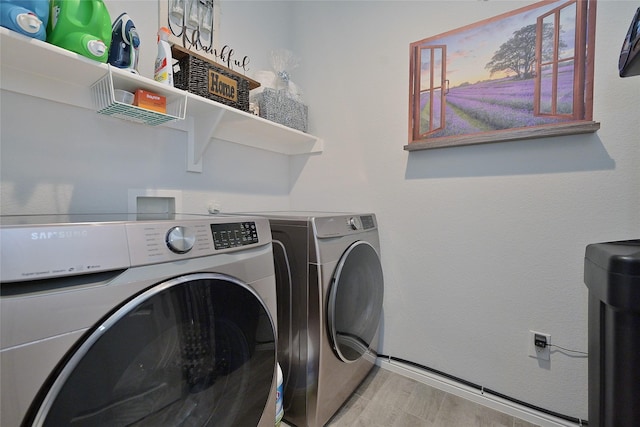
{"type": "Point", "coordinates": [533, 132]}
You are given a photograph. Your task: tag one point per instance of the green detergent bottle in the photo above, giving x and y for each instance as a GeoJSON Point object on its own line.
{"type": "Point", "coordinates": [81, 26]}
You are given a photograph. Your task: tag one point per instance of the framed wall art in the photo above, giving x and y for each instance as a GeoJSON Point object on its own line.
{"type": "Point", "coordinates": [524, 74]}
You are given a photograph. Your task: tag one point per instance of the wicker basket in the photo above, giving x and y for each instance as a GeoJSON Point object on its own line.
{"type": "Point", "coordinates": [276, 106]}
{"type": "Point", "coordinates": [210, 80]}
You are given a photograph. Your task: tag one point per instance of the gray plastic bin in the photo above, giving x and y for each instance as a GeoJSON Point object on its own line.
{"type": "Point", "coordinates": [612, 274]}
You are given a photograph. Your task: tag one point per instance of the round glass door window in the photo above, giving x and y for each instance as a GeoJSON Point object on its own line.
{"type": "Point", "coordinates": [188, 352]}
{"type": "Point", "coordinates": [355, 301]}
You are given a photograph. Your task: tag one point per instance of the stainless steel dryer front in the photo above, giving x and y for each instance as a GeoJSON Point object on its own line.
{"type": "Point", "coordinates": [330, 293]}
{"type": "Point", "coordinates": [113, 320]}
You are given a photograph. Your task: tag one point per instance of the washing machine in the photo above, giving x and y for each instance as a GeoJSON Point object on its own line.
{"type": "Point", "coordinates": [330, 293]}
{"type": "Point", "coordinates": [114, 320]}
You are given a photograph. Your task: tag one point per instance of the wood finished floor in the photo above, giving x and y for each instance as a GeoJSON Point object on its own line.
{"type": "Point", "coordinates": [387, 399]}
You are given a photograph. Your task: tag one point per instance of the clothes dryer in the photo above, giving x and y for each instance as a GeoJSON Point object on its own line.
{"type": "Point", "coordinates": [330, 293]}
{"type": "Point", "coordinates": [117, 320]}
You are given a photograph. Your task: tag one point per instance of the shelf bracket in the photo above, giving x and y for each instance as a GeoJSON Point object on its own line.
{"type": "Point", "coordinates": [200, 130]}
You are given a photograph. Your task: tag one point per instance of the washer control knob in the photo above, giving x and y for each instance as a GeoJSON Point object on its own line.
{"type": "Point", "coordinates": [181, 239]}
{"type": "Point", "coordinates": [354, 223]}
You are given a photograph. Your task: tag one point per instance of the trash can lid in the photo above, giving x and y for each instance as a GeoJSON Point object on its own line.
{"type": "Point", "coordinates": [612, 273]}
{"type": "Point", "coordinates": [621, 257]}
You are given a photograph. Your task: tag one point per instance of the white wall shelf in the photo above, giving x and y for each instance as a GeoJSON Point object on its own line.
{"type": "Point", "coordinates": [35, 68]}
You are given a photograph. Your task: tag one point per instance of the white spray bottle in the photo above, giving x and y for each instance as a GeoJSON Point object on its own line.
{"type": "Point", "coordinates": [164, 64]}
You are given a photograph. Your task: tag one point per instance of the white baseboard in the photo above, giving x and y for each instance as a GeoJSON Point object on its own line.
{"type": "Point", "coordinates": [474, 395]}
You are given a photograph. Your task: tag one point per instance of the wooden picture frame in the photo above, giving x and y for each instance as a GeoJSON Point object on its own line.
{"type": "Point", "coordinates": [523, 74]}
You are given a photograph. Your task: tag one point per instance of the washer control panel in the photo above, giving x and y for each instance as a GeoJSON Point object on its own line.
{"type": "Point", "coordinates": [343, 225]}
{"type": "Point", "coordinates": [160, 242]}
{"type": "Point", "coordinates": [43, 247]}
{"type": "Point", "coordinates": [233, 235]}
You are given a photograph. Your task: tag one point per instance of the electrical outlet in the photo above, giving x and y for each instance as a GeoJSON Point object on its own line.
{"type": "Point", "coordinates": [539, 345]}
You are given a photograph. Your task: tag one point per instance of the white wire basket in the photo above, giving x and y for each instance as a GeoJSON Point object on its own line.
{"type": "Point", "coordinates": [105, 102]}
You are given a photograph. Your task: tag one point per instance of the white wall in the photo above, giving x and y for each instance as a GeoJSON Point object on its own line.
{"type": "Point", "coordinates": [479, 244]}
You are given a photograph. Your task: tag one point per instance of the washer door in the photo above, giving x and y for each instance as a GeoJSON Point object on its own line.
{"type": "Point", "coordinates": [181, 353]}
{"type": "Point", "coordinates": [355, 301]}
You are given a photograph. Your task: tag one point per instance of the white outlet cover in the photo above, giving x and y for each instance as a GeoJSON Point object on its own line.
{"type": "Point", "coordinates": [214, 206]}
{"type": "Point", "coordinates": [537, 352]}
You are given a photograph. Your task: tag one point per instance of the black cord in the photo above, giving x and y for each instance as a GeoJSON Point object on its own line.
{"type": "Point", "coordinates": [567, 349]}
{"type": "Point", "coordinates": [486, 390]}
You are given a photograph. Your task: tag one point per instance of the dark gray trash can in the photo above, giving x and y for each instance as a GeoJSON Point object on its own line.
{"type": "Point", "coordinates": [612, 274]}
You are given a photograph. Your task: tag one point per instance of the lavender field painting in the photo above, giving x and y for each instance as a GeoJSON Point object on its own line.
{"type": "Point", "coordinates": [501, 104]}
{"type": "Point", "coordinates": [514, 72]}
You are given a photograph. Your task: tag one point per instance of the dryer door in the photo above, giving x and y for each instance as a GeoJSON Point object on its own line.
{"type": "Point", "coordinates": [190, 351]}
{"type": "Point", "coordinates": [355, 301]}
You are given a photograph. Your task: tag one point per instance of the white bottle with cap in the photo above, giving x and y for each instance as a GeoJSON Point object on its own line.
{"type": "Point", "coordinates": [164, 64]}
